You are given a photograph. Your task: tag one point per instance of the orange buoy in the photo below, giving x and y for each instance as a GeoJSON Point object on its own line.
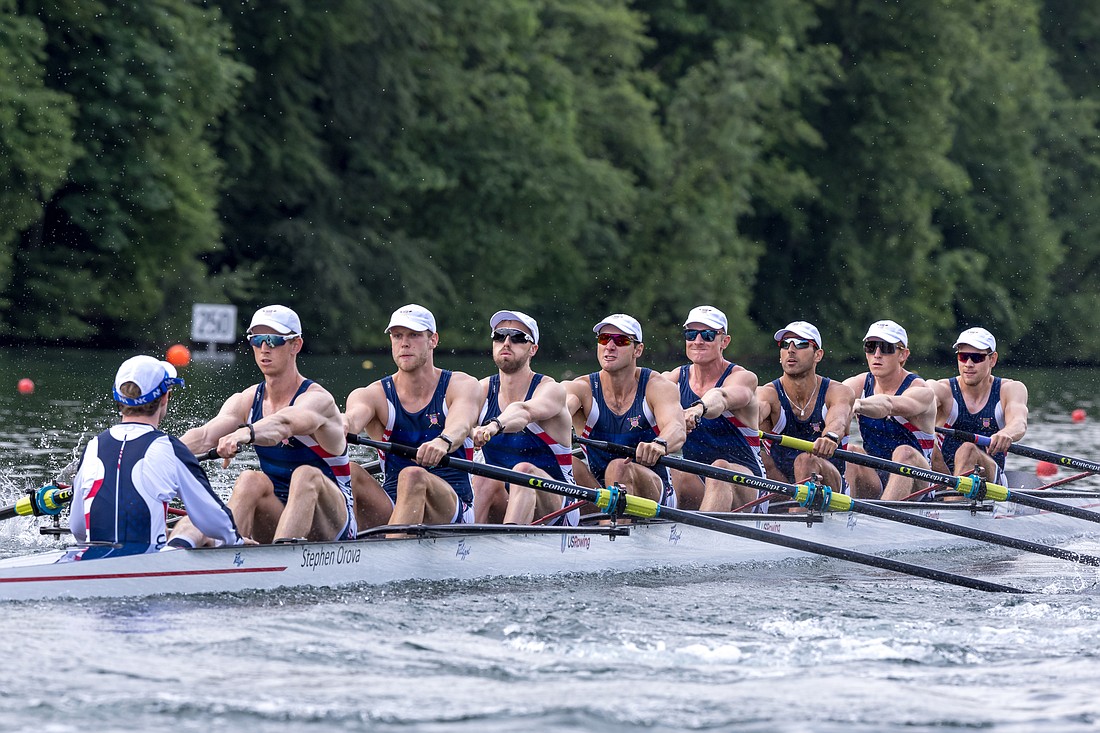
{"type": "Point", "coordinates": [1046, 469]}
{"type": "Point", "coordinates": [178, 355]}
{"type": "Point", "coordinates": [25, 386]}
{"type": "Point", "coordinates": [1078, 415]}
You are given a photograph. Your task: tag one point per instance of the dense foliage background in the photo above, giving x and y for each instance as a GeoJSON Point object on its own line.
{"type": "Point", "coordinates": [934, 162]}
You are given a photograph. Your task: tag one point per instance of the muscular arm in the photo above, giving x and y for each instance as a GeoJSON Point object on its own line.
{"type": "Point", "coordinates": [735, 396]}
{"type": "Point", "coordinates": [547, 403]}
{"type": "Point", "coordinates": [1014, 402]}
{"type": "Point", "coordinates": [234, 412]}
{"type": "Point", "coordinates": [578, 401]}
{"type": "Point", "coordinates": [768, 400]}
{"type": "Point", "coordinates": [918, 403]}
{"type": "Point", "coordinates": [941, 388]}
{"type": "Point", "coordinates": [664, 399]}
{"type": "Point", "coordinates": [363, 406]}
{"type": "Point", "coordinates": [313, 413]}
{"type": "Point", "coordinates": [838, 403]}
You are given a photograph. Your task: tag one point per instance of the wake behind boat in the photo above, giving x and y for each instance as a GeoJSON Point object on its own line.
{"type": "Point", "coordinates": [476, 552]}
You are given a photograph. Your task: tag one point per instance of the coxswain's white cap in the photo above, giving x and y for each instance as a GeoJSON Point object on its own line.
{"type": "Point", "coordinates": [414, 317]}
{"type": "Point", "coordinates": [282, 319]}
{"type": "Point", "coordinates": [152, 376]}
{"type": "Point", "coordinates": [627, 324]}
{"type": "Point", "coordinates": [979, 338]}
{"type": "Point", "coordinates": [708, 315]}
{"type": "Point", "coordinates": [523, 318]}
{"type": "Point", "coordinates": [802, 329]}
{"type": "Point", "coordinates": [889, 332]}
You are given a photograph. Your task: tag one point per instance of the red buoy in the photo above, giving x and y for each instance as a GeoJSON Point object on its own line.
{"type": "Point", "coordinates": [1045, 469]}
{"type": "Point", "coordinates": [1078, 415]}
{"type": "Point", "coordinates": [25, 386]}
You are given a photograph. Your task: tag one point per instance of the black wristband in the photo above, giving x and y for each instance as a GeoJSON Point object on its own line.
{"type": "Point", "coordinates": [500, 425]}
{"type": "Point", "coordinates": [832, 436]}
{"type": "Point", "coordinates": [661, 442]}
{"type": "Point", "coordinates": [450, 443]}
{"type": "Point", "coordinates": [702, 404]}
{"type": "Point", "coordinates": [251, 432]}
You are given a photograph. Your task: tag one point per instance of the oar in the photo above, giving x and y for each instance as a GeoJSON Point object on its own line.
{"type": "Point", "coordinates": [46, 500]}
{"type": "Point", "coordinates": [1023, 450]}
{"type": "Point", "coordinates": [843, 502]}
{"type": "Point", "coordinates": [963, 484]}
{"type": "Point", "coordinates": [637, 506]}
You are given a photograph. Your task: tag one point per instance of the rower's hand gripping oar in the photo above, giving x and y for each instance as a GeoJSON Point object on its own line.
{"type": "Point", "coordinates": [969, 486]}
{"type": "Point", "coordinates": [804, 494]}
{"type": "Point", "coordinates": [614, 500]}
{"type": "Point", "coordinates": [1023, 450]}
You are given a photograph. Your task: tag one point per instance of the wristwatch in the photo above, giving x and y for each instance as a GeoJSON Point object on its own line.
{"type": "Point", "coordinates": [831, 436]}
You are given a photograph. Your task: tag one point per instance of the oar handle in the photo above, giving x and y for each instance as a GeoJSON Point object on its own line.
{"type": "Point", "coordinates": [1025, 450]}
{"type": "Point", "coordinates": [800, 492]}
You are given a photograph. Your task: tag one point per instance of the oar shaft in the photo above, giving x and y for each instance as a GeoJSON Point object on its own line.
{"type": "Point", "coordinates": [646, 508]}
{"type": "Point", "coordinates": [840, 502]}
{"type": "Point", "coordinates": [1024, 450]}
{"type": "Point", "coordinates": [962, 484]}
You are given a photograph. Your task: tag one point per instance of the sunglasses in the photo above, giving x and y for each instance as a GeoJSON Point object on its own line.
{"type": "Point", "coordinates": [512, 336]}
{"type": "Point", "coordinates": [271, 339]}
{"type": "Point", "coordinates": [885, 348]}
{"type": "Point", "coordinates": [977, 358]}
{"type": "Point", "coordinates": [708, 334]}
{"type": "Point", "coordinates": [795, 344]}
{"type": "Point", "coordinates": [619, 339]}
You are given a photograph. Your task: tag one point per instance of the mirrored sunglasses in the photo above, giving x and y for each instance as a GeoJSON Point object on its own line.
{"type": "Point", "coordinates": [271, 339]}
{"type": "Point", "coordinates": [511, 335]}
{"type": "Point", "coordinates": [884, 347]}
{"type": "Point", "coordinates": [798, 344]}
{"type": "Point", "coordinates": [708, 334]}
{"type": "Point", "coordinates": [977, 358]}
{"type": "Point", "coordinates": [619, 339]}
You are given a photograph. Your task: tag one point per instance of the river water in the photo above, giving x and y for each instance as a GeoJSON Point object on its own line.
{"type": "Point", "coordinates": [809, 645]}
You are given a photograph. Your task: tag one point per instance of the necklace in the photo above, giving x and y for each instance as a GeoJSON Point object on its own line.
{"type": "Point", "coordinates": [804, 405]}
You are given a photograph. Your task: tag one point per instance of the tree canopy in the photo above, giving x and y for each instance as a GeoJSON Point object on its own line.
{"type": "Point", "coordinates": [838, 161]}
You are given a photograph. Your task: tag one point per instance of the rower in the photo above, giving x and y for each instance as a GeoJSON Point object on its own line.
{"type": "Point", "coordinates": [630, 405]}
{"type": "Point", "coordinates": [130, 472]}
{"type": "Point", "coordinates": [712, 385]}
{"type": "Point", "coordinates": [896, 411]}
{"type": "Point", "coordinates": [979, 403]}
{"type": "Point", "coordinates": [524, 426]}
{"type": "Point", "coordinates": [803, 404]}
{"type": "Point", "coordinates": [420, 405]}
{"type": "Point", "coordinates": [303, 487]}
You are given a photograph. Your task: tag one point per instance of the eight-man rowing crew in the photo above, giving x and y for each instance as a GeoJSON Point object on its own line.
{"type": "Point", "coordinates": [710, 409]}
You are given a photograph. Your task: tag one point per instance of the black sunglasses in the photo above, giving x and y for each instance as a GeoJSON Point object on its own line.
{"type": "Point", "coordinates": [884, 347]}
{"type": "Point", "coordinates": [708, 334]}
{"type": "Point", "coordinates": [977, 358]}
{"type": "Point", "coordinates": [511, 335]}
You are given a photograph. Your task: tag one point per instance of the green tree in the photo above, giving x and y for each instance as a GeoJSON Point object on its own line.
{"type": "Point", "coordinates": [36, 131]}
{"type": "Point", "coordinates": [150, 80]}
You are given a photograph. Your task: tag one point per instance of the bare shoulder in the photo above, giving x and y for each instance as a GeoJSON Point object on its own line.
{"type": "Point", "coordinates": [1013, 389]}
{"type": "Point", "coordinates": [662, 389]}
{"type": "Point", "coordinates": [672, 375]}
{"type": "Point", "coordinates": [365, 395]}
{"type": "Point", "coordinates": [840, 391]}
{"type": "Point", "coordinates": [855, 383]}
{"type": "Point", "coordinates": [744, 378]}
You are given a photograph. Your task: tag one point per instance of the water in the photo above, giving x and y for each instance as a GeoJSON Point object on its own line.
{"type": "Point", "coordinates": [796, 646]}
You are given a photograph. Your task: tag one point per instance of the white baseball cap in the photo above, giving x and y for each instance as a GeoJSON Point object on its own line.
{"type": "Point", "coordinates": [152, 376]}
{"type": "Point", "coordinates": [889, 332]}
{"type": "Point", "coordinates": [414, 317]}
{"type": "Point", "coordinates": [802, 329]}
{"type": "Point", "coordinates": [979, 338]}
{"type": "Point", "coordinates": [282, 319]}
{"type": "Point", "coordinates": [627, 324]}
{"type": "Point", "coordinates": [523, 318]}
{"type": "Point", "coordinates": [707, 315]}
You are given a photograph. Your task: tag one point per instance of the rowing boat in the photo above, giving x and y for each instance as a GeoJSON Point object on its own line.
{"type": "Point", "coordinates": [474, 552]}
